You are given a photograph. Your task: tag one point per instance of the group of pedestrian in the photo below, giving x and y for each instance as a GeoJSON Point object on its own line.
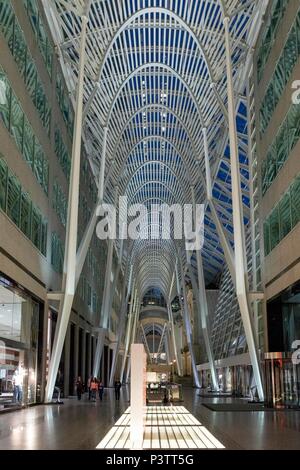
{"type": "Point", "coordinates": [94, 387]}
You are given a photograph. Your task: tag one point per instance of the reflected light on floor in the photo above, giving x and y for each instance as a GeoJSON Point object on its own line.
{"type": "Point", "coordinates": [165, 428]}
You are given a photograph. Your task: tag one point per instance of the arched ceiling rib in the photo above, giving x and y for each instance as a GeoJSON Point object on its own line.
{"type": "Point", "coordinates": [155, 74]}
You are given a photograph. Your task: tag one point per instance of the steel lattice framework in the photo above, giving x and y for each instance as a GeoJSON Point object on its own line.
{"type": "Point", "coordinates": [155, 112]}
{"type": "Point", "coordinates": [155, 75]}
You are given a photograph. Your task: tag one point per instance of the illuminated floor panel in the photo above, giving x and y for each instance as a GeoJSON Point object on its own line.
{"type": "Point", "coordinates": [166, 427]}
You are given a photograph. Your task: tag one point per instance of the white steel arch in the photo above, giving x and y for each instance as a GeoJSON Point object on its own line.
{"type": "Point", "coordinates": [196, 50]}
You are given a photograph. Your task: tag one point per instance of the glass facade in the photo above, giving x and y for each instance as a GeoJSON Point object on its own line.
{"type": "Point", "coordinates": [287, 137]}
{"type": "Point", "coordinates": [16, 122]}
{"type": "Point", "coordinates": [283, 70]}
{"type": "Point", "coordinates": [57, 253]}
{"type": "Point", "coordinates": [154, 297]}
{"type": "Point", "coordinates": [227, 331]}
{"type": "Point", "coordinates": [93, 264]}
{"type": "Point", "coordinates": [20, 378]}
{"type": "Point", "coordinates": [19, 344]}
{"type": "Point", "coordinates": [87, 295]}
{"type": "Point", "coordinates": [291, 316]}
{"type": "Point", "coordinates": [65, 104]}
{"type": "Point", "coordinates": [88, 179]}
{"type": "Point", "coordinates": [283, 218]}
{"type": "Point", "coordinates": [85, 210]}
{"type": "Point", "coordinates": [282, 381]}
{"type": "Point", "coordinates": [59, 203]}
{"type": "Point", "coordinates": [17, 204]}
{"type": "Point", "coordinates": [62, 153]}
{"type": "Point", "coordinates": [14, 36]}
{"type": "Point", "coordinates": [283, 313]}
{"type": "Point", "coordinates": [267, 42]}
{"type": "Point", "coordinates": [40, 34]}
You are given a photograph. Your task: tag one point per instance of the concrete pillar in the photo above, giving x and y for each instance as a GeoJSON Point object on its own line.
{"type": "Point", "coordinates": [76, 354]}
{"type": "Point", "coordinates": [112, 373]}
{"type": "Point", "coordinates": [108, 364]}
{"type": "Point", "coordinates": [67, 361]}
{"type": "Point", "coordinates": [45, 348]}
{"type": "Point", "coordinates": [102, 368]}
{"type": "Point", "coordinates": [94, 343]}
{"type": "Point", "coordinates": [83, 352]}
{"type": "Point", "coordinates": [88, 372]}
{"type": "Point", "coordinates": [179, 345]}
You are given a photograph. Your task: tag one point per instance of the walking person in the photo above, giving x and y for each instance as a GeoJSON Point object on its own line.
{"type": "Point", "coordinates": [101, 390]}
{"type": "Point", "coordinates": [94, 388]}
{"type": "Point", "coordinates": [79, 387]}
{"type": "Point", "coordinates": [118, 386]}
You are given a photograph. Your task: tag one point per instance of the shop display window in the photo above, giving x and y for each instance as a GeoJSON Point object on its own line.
{"type": "Point", "coordinates": [19, 328]}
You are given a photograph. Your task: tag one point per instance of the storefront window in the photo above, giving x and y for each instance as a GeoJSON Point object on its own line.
{"type": "Point", "coordinates": [291, 316]}
{"type": "Point", "coordinates": [19, 328]}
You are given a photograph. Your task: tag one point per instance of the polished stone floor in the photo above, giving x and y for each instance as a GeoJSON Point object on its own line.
{"type": "Point", "coordinates": [82, 425]}
{"type": "Point", "coordinates": [165, 427]}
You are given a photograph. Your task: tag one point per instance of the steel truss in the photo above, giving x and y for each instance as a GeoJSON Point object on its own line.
{"type": "Point", "coordinates": [160, 85]}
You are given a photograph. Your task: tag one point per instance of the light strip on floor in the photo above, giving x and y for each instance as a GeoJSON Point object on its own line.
{"type": "Point", "coordinates": [125, 437]}
{"type": "Point", "coordinates": [166, 428]}
{"type": "Point", "coordinates": [181, 442]}
{"type": "Point", "coordinates": [171, 437]}
{"type": "Point", "coordinates": [211, 437]}
{"type": "Point", "coordinates": [108, 437]}
{"type": "Point", "coordinates": [123, 420]}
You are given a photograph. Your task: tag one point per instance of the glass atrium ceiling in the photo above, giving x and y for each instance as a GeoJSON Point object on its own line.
{"type": "Point", "coordinates": [155, 76]}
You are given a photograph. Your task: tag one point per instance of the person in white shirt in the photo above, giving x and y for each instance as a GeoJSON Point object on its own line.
{"type": "Point", "coordinates": [18, 383]}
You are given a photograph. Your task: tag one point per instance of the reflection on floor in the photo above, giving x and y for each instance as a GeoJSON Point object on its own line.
{"type": "Point", "coordinates": [83, 424]}
{"type": "Point", "coordinates": [166, 427]}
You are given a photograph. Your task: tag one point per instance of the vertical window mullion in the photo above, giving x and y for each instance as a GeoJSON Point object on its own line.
{"type": "Point", "coordinates": [6, 191]}
{"type": "Point", "coordinates": [33, 154]}
{"type": "Point", "coordinates": [14, 34]}
{"type": "Point", "coordinates": [10, 109]}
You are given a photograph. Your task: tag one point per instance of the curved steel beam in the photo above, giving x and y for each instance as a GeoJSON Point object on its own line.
{"type": "Point", "coordinates": [128, 22]}
{"type": "Point", "coordinates": [145, 67]}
